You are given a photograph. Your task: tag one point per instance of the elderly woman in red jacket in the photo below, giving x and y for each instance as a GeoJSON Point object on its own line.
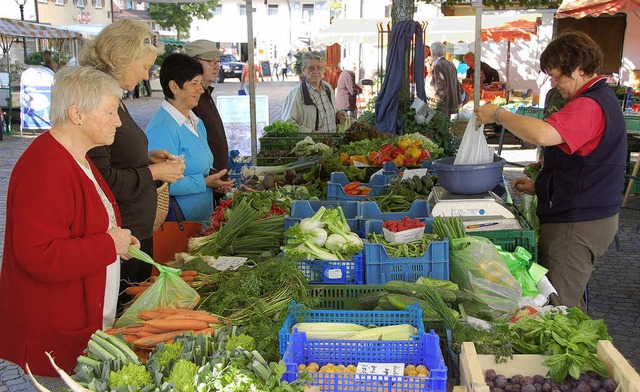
{"type": "Point", "coordinates": [63, 243]}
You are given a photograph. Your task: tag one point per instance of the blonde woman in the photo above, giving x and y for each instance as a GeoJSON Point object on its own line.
{"type": "Point", "coordinates": [126, 50]}
{"type": "Point", "coordinates": [61, 263]}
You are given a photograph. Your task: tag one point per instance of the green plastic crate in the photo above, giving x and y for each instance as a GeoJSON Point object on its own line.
{"type": "Point", "coordinates": [279, 143]}
{"type": "Point", "coordinates": [275, 161]}
{"type": "Point", "coordinates": [531, 112]}
{"type": "Point", "coordinates": [632, 122]}
{"type": "Point", "coordinates": [341, 297]}
{"type": "Point", "coordinates": [287, 143]}
{"type": "Point", "coordinates": [510, 239]}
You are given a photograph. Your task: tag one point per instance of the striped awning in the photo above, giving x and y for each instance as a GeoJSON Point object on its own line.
{"type": "Point", "coordinates": [20, 28]}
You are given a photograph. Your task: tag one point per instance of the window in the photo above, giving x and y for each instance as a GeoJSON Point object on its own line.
{"type": "Point", "coordinates": [129, 5]}
{"type": "Point", "coordinates": [59, 2]}
{"type": "Point", "coordinates": [243, 9]}
{"type": "Point", "coordinates": [307, 13]}
{"type": "Point", "coordinates": [218, 10]}
{"type": "Point", "coordinates": [43, 1]}
{"type": "Point", "coordinates": [272, 10]}
{"type": "Point", "coordinates": [98, 3]}
{"type": "Point", "coordinates": [80, 3]}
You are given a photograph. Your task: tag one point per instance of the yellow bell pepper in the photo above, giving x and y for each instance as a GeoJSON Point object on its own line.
{"type": "Point", "coordinates": [417, 144]}
{"type": "Point", "coordinates": [344, 158]}
{"type": "Point", "coordinates": [404, 143]}
{"type": "Point", "coordinates": [359, 158]}
{"type": "Point", "coordinates": [399, 160]}
{"type": "Point", "coordinates": [371, 155]}
{"type": "Point", "coordinates": [412, 152]}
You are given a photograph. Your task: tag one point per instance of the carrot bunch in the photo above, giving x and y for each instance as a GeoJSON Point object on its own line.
{"type": "Point", "coordinates": [162, 325]}
{"type": "Point", "coordinates": [356, 189]}
{"type": "Point", "coordinates": [136, 290]}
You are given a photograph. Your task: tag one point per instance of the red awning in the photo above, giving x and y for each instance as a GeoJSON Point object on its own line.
{"type": "Point", "coordinates": [522, 28]}
{"type": "Point", "coordinates": [20, 28]}
{"type": "Point", "coordinates": [581, 8]}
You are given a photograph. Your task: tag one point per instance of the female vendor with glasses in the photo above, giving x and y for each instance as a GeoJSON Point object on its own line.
{"type": "Point", "coordinates": [312, 103]}
{"type": "Point", "coordinates": [580, 185]}
{"type": "Point", "coordinates": [125, 50]}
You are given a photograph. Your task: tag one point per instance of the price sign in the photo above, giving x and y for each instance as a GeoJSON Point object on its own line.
{"type": "Point", "coordinates": [381, 369]}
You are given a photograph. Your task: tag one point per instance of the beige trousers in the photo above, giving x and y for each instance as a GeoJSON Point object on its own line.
{"type": "Point", "coordinates": [570, 250]}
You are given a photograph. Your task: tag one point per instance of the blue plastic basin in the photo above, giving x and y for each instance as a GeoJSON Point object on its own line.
{"type": "Point", "coordinates": [468, 179]}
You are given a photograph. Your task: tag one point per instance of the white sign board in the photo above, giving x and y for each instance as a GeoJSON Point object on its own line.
{"type": "Point", "coordinates": [35, 98]}
{"type": "Point", "coordinates": [234, 111]}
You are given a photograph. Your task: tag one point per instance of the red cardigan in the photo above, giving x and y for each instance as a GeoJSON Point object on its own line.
{"type": "Point", "coordinates": [56, 251]}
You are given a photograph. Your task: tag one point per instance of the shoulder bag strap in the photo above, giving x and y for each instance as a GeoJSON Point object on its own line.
{"type": "Point", "coordinates": [173, 204]}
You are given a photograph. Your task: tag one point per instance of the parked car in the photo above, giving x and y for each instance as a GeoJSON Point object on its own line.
{"type": "Point", "coordinates": [230, 68]}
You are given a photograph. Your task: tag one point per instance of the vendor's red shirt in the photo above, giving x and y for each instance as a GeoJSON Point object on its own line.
{"type": "Point", "coordinates": [580, 123]}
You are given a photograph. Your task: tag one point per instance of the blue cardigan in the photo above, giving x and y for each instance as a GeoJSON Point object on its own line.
{"type": "Point", "coordinates": [193, 196]}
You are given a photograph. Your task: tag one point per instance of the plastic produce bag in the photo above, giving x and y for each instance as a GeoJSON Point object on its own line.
{"type": "Point", "coordinates": [528, 207]}
{"type": "Point", "coordinates": [519, 263]}
{"type": "Point", "coordinates": [478, 268]}
{"type": "Point", "coordinates": [168, 291]}
{"type": "Point", "coordinates": [473, 149]}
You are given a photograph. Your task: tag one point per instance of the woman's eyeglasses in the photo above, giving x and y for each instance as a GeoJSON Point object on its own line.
{"type": "Point", "coordinates": [151, 40]}
{"type": "Point", "coordinates": [210, 62]}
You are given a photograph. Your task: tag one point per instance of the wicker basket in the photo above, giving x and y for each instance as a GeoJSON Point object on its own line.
{"type": "Point", "coordinates": [163, 205]}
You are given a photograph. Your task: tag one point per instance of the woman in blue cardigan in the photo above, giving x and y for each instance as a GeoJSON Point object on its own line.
{"type": "Point", "coordinates": [177, 129]}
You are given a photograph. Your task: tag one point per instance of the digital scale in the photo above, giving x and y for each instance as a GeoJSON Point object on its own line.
{"type": "Point", "coordinates": [480, 212]}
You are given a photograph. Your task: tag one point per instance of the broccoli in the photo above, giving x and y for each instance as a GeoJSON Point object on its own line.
{"type": "Point", "coordinates": [130, 375]}
{"type": "Point", "coordinates": [183, 375]}
{"type": "Point", "coordinates": [168, 353]}
{"type": "Point", "coordinates": [242, 340]}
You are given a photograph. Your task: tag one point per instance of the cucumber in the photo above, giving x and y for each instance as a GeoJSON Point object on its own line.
{"type": "Point", "coordinates": [383, 302]}
{"type": "Point", "coordinates": [368, 301]}
{"type": "Point", "coordinates": [418, 182]}
{"type": "Point", "coordinates": [427, 181]}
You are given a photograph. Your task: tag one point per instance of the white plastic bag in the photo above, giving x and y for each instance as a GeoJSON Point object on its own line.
{"type": "Point", "coordinates": [473, 147]}
{"type": "Point", "coordinates": [424, 113]}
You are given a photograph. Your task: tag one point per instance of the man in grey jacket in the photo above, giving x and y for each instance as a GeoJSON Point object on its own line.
{"type": "Point", "coordinates": [447, 89]}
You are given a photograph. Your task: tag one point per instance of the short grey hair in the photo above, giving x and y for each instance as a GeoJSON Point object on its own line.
{"type": "Point", "coordinates": [438, 49]}
{"type": "Point", "coordinates": [84, 87]}
{"type": "Point", "coordinates": [313, 55]}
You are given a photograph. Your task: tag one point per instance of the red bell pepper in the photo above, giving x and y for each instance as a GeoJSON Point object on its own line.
{"type": "Point", "coordinates": [424, 155]}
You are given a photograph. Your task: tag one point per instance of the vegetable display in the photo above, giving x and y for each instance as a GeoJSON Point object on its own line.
{"type": "Point", "coordinates": [324, 236]}
{"type": "Point", "coordinates": [585, 382]}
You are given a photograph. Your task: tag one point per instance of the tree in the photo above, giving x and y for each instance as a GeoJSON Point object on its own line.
{"type": "Point", "coordinates": [180, 15]}
{"type": "Point", "coordinates": [502, 4]}
{"type": "Point", "coordinates": [402, 10]}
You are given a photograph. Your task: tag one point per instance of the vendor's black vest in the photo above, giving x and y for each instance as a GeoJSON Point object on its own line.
{"type": "Point", "coordinates": [573, 188]}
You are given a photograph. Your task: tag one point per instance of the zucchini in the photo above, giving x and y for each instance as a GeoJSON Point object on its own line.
{"type": "Point", "coordinates": [368, 301]}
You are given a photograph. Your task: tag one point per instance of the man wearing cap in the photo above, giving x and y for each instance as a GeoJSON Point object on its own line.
{"type": "Point", "coordinates": [208, 55]}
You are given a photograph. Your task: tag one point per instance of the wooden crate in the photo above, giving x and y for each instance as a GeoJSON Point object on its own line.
{"type": "Point", "coordinates": [473, 367]}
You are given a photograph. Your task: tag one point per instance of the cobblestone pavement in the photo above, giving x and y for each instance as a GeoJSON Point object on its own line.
{"type": "Point", "coordinates": [613, 288]}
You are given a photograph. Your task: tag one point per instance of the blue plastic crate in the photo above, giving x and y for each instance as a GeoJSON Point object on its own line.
{"type": "Point", "coordinates": [411, 315]}
{"type": "Point", "coordinates": [334, 271]}
{"type": "Point", "coordinates": [390, 168]}
{"type": "Point", "coordinates": [425, 351]}
{"type": "Point", "coordinates": [335, 187]}
{"type": "Point", "coordinates": [381, 268]}
{"type": "Point", "coordinates": [301, 209]}
{"type": "Point", "coordinates": [369, 210]}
